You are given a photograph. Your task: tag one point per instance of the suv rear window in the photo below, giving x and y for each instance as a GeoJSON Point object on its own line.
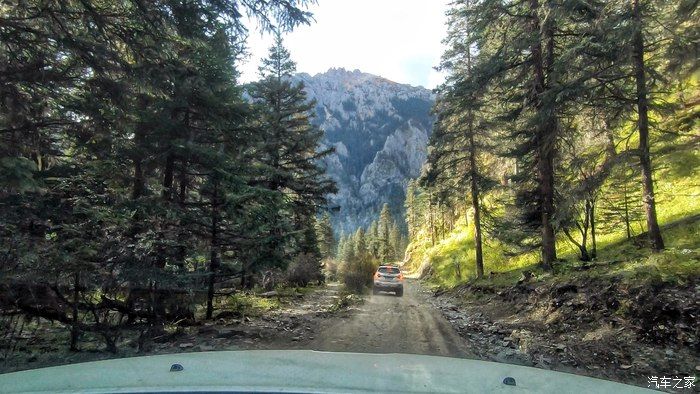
{"type": "Point", "coordinates": [389, 270]}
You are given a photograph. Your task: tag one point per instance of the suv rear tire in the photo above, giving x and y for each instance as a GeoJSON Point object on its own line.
{"type": "Point", "coordinates": [399, 293]}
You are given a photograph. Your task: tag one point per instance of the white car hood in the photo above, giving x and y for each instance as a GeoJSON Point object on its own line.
{"type": "Point", "coordinates": [299, 371]}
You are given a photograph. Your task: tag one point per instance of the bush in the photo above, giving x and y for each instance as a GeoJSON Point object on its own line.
{"type": "Point", "coordinates": [331, 268]}
{"type": "Point", "coordinates": [304, 269]}
{"type": "Point", "coordinates": [345, 301]}
{"type": "Point", "coordinates": [242, 304]}
{"type": "Point", "coordinates": [357, 274]}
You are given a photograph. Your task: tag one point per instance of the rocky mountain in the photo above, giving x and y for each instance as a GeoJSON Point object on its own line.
{"type": "Point", "coordinates": [380, 132]}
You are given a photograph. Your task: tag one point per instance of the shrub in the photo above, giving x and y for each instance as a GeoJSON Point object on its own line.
{"type": "Point", "coordinates": [331, 268]}
{"type": "Point", "coordinates": [357, 273]}
{"type": "Point", "coordinates": [304, 269]}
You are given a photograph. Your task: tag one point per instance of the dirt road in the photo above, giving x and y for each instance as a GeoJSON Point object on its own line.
{"type": "Point", "coordinates": [382, 323]}
{"type": "Point", "coordinates": [385, 323]}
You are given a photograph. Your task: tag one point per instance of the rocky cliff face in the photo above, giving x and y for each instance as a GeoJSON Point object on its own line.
{"type": "Point", "coordinates": [380, 132]}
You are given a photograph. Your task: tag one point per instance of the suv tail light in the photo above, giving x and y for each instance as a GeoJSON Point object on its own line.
{"type": "Point", "coordinates": [400, 276]}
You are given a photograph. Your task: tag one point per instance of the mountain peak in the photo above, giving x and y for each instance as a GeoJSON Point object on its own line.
{"type": "Point", "coordinates": [356, 76]}
{"type": "Point", "coordinates": [370, 121]}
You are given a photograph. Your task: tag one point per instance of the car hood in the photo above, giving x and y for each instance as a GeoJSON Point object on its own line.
{"type": "Point", "coordinates": [299, 371]}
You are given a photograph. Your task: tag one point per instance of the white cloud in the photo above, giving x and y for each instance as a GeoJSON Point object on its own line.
{"type": "Point", "coordinates": [396, 39]}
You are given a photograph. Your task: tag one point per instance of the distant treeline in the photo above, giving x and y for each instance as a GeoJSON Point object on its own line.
{"type": "Point", "coordinates": [359, 254]}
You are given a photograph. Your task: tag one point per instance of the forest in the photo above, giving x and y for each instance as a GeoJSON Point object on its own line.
{"type": "Point", "coordinates": [151, 201]}
{"type": "Point", "coordinates": [359, 254]}
{"type": "Point", "coordinates": [563, 128]}
{"type": "Point", "coordinates": [137, 175]}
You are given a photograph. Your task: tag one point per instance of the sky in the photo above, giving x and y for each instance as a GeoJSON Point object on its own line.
{"type": "Point", "coordinates": [396, 39]}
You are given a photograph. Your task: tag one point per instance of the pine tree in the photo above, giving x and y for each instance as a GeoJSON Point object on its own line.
{"type": "Point", "coordinates": [457, 145]}
{"type": "Point", "coordinates": [395, 241]}
{"type": "Point", "coordinates": [620, 203]}
{"type": "Point", "coordinates": [349, 255]}
{"type": "Point", "coordinates": [373, 242]}
{"type": "Point", "coordinates": [411, 208]}
{"type": "Point", "coordinates": [288, 151]}
{"type": "Point", "coordinates": [537, 76]}
{"type": "Point", "coordinates": [360, 245]}
{"type": "Point", "coordinates": [385, 251]}
{"type": "Point", "coordinates": [325, 236]}
{"type": "Point", "coordinates": [404, 245]}
{"type": "Point", "coordinates": [123, 155]}
{"type": "Point", "coordinates": [638, 48]}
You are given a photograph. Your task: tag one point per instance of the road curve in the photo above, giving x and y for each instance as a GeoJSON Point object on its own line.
{"type": "Point", "coordinates": [389, 324]}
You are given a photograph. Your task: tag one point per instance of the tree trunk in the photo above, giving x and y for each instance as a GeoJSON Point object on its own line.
{"type": "Point", "coordinates": [75, 329]}
{"type": "Point", "coordinates": [213, 267]}
{"type": "Point", "coordinates": [183, 184]}
{"type": "Point", "coordinates": [167, 195]}
{"type": "Point", "coordinates": [182, 233]}
{"type": "Point", "coordinates": [546, 177]}
{"type": "Point", "coordinates": [581, 246]}
{"type": "Point", "coordinates": [214, 258]}
{"type": "Point", "coordinates": [138, 180]}
{"type": "Point", "coordinates": [585, 256]}
{"type": "Point", "coordinates": [110, 341]}
{"type": "Point", "coordinates": [168, 176]}
{"type": "Point", "coordinates": [466, 215]}
{"type": "Point", "coordinates": [443, 227]}
{"type": "Point", "coordinates": [475, 204]}
{"type": "Point", "coordinates": [545, 135]}
{"type": "Point", "coordinates": [627, 213]}
{"type": "Point", "coordinates": [594, 249]}
{"type": "Point", "coordinates": [657, 242]}
{"type": "Point", "coordinates": [430, 219]}
{"type": "Point", "coordinates": [474, 177]}
{"type": "Point", "coordinates": [584, 253]}
{"type": "Point", "coordinates": [139, 186]}
{"type": "Point", "coordinates": [244, 277]}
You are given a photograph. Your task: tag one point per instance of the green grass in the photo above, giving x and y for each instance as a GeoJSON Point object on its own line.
{"type": "Point", "coordinates": [678, 209]}
{"type": "Point", "coordinates": [247, 304]}
{"type": "Point", "coordinates": [252, 304]}
{"type": "Point", "coordinates": [453, 261]}
{"type": "Point", "coordinates": [670, 266]}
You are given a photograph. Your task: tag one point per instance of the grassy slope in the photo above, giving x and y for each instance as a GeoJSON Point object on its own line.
{"type": "Point", "coordinates": [678, 196]}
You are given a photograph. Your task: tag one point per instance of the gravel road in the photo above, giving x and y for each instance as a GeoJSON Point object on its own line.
{"type": "Point", "coordinates": [385, 323]}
